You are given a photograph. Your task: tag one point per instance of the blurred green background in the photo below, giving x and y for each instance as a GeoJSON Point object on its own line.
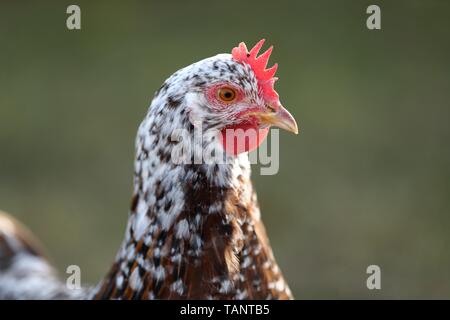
{"type": "Point", "coordinates": [366, 182]}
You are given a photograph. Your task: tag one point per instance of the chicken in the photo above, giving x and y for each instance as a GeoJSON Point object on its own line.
{"type": "Point", "coordinates": [24, 270]}
{"type": "Point", "coordinates": [194, 229]}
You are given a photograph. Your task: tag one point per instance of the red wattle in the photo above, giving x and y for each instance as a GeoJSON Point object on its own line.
{"type": "Point", "coordinates": [242, 137]}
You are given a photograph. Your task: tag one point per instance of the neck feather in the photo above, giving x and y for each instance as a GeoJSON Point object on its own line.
{"type": "Point", "coordinates": [181, 215]}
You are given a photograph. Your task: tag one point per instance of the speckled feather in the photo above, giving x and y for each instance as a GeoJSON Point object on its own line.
{"type": "Point", "coordinates": [194, 231]}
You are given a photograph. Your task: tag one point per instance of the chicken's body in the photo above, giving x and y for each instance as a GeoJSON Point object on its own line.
{"type": "Point", "coordinates": [24, 272]}
{"type": "Point", "coordinates": [194, 230]}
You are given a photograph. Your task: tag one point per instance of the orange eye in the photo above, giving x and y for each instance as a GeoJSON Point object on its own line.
{"type": "Point", "coordinates": [226, 94]}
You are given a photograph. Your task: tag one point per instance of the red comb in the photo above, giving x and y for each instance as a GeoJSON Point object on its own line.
{"type": "Point", "coordinates": [264, 76]}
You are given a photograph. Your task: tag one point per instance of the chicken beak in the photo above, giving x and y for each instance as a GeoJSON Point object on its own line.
{"type": "Point", "coordinates": [280, 118]}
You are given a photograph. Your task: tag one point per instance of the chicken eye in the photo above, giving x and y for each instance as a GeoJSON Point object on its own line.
{"type": "Point", "coordinates": [226, 94]}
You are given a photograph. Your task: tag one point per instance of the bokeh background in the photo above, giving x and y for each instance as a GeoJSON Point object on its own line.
{"type": "Point", "coordinates": [366, 182]}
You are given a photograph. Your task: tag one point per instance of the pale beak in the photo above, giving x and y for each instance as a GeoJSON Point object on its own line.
{"type": "Point", "coordinates": [280, 118]}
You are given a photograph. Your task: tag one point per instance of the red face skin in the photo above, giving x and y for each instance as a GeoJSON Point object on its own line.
{"type": "Point", "coordinates": [245, 135]}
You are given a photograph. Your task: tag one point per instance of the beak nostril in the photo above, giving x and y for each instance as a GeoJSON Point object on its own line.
{"type": "Point", "coordinates": [272, 109]}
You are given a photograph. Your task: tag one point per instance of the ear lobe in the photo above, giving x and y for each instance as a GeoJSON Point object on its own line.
{"type": "Point", "coordinates": [194, 118]}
